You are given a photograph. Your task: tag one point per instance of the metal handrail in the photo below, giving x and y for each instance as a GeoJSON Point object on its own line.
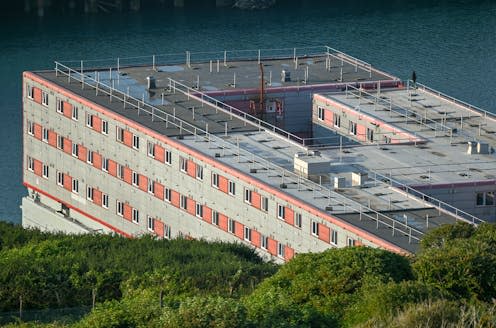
{"type": "Point", "coordinates": [456, 101]}
{"type": "Point", "coordinates": [230, 110]}
{"type": "Point", "coordinates": [457, 213]}
{"type": "Point", "coordinates": [347, 203]}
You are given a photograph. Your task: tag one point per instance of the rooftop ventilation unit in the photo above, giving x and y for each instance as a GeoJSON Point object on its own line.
{"type": "Point", "coordinates": [482, 148]}
{"type": "Point", "coordinates": [285, 76]}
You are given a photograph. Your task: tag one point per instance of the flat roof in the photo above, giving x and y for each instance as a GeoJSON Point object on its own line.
{"type": "Point", "coordinates": [446, 125]}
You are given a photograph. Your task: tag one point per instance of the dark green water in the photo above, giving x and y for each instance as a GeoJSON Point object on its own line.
{"type": "Point", "coordinates": [450, 44]}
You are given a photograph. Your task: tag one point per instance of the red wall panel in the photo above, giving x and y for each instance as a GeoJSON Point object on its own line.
{"type": "Point", "coordinates": [207, 214]}
{"type": "Point", "coordinates": [37, 167]}
{"type": "Point", "coordinates": [67, 182]}
{"type": "Point", "coordinates": [97, 197]}
{"type": "Point", "coordinates": [83, 151]}
{"type": "Point", "coordinates": [272, 246]}
{"type": "Point", "coordinates": [255, 238]}
{"type": "Point", "coordinates": [37, 131]}
{"type": "Point", "coordinates": [223, 184]}
{"type": "Point", "coordinates": [289, 215]}
{"type": "Point", "coordinates": [67, 146]}
{"type": "Point", "coordinates": [37, 95]}
{"type": "Point", "coordinates": [175, 198]}
{"type": "Point", "coordinates": [159, 191]}
{"type": "Point", "coordinates": [191, 169]}
{"type": "Point", "coordinates": [191, 209]}
{"type": "Point", "coordinates": [239, 230]}
{"type": "Point", "coordinates": [112, 168]}
{"type": "Point", "coordinates": [128, 138]}
{"type": "Point", "coordinates": [160, 153]}
{"type": "Point", "coordinates": [127, 176]}
{"type": "Point", "coordinates": [328, 118]}
{"type": "Point", "coordinates": [128, 212]}
{"type": "Point", "coordinates": [143, 183]}
{"type": "Point", "coordinates": [97, 160]}
{"type": "Point", "coordinates": [223, 222]}
{"type": "Point", "coordinates": [97, 123]}
{"type": "Point", "coordinates": [361, 132]}
{"type": "Point", "coordinates": [158, 228]}
{"type": "Point", "coordinates": [288, 253]}
{"type": "Point", "coordinates": [52, 138]}
{"type": "Point", "coordinates": [67, 109]}
{"type": "Point", "coordinates": [255, 199]}
{"type": "Point", "coordinates": [324, 233]}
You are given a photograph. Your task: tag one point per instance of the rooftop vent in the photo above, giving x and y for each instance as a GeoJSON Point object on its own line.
{"type": "Point", "coordinates": [285, 76]}
{"type": "Point", "coordinates": [482, 148]}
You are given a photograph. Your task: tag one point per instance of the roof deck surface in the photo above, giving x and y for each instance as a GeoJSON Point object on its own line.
{"type": "Point", "coordinates": [446, 125]}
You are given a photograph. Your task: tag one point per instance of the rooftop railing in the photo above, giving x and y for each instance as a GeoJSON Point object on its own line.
{"type": "Point", "coordinates": [287, 177]}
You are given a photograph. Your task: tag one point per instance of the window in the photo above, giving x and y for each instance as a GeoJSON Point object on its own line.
{"type": "Point", "coordinates": [280, 211]}
{"type": "Point", "coordinates": [135, 179]}
{"type": "Point", "coordinates": [75, 150]}
{"type": "Point", "coordinates": [334, 237]}
{"type": "Point", "coordinates": [485, 198]}
{"type": "Point", "coordinates": [105, 200]}
{"type": "Point", "coordinates": [248, 196]}
{"type": "Point", "coordinates": [75, 186]}
{"type": "Point", "coordinates": [264, 203]}
{"type": "Point", "coordinates": [151, 186]}
{"type": "Point", "coordinates": [105, 127]}
{"type": "Point", "coordinates": [215, 218]}
{"type": "Point", "coordinates": [105, 164]}
{"type": "Point", "coordinates": [321, 113]}
{"type": "Point", "coordinates": [167, 231]}
{"type": "Point", "coordinates": [167, 195]}
{"type": "Point", "coordinates": [231, 226]}
{"type": "Point", "coordinates": [30, 127]}
{"type": "Point", "coordinates": [387, 140]}
{"type": "Point", "coordinates": [30, 91]}
{"type": "Point", "coordinates": [151, 223]}
{"type": "Point", "coordinates": [247, 234]}
{"type": "Point", "coordinates": [60, 179]}
{"type": "Point", "coordinates": [370, 135]}
{"type": "Point", "coordinates": [120, 171]}
{"type": "Point", "coordinates": [60, 106]}
{"type": "Point", "coordinates": [135, 215]}
{"type": "Point", "coordinates": [280, 250]}
{"type": "Point", "coordinates": [135, 142]}
{"type": "Point", "coordinates": [89, 193]}
{"type": "Point", "coordinates": [89, 158]}
{"type": "Point", "coordinates": [120, 208]}
{"type": "Point", "coordinates": [44, 98]}
{"type": "Point", "coordinates": [215, 180]}
{"type": "Point", "coordinates": [45, 171]}
{"type": "Point", "coordinates": [184, 202]}
{"type": "Point", "coordinates": [45, 135]}
{"type": "Point", "coordinates": [60, 142]}
{"type": "Point", "coordinates": [150, 149]}
{"type": "Point", "coordinates": [89, 120]}
{"type": "Point", "coordinates": [264, 242]}
{"type": "Point", "coordinates": [350, 242]}
{"type": "Point", "coordinates": [30, 163]}
{"type": "Point", "coordinates": [297, 220]}
{"type": "Point", "coordinates": [232, 188]}
{"type": "Point", "coordinates": [199, 210]}
{"type": "Point", "coordinates": [199, 172]}
{"type": "Point", "coordinates": [489, 198]}
{"type": "Point", "coordinates": [337, 120]}
{"type": "Point", "coordinates": [183, 162]}
{"type": "Point", "coordinates": [119, 134]}
{"type": "Point", "coordinates": [315, 228]}
{"type": "Point", "coordinates": [168, 157]}
{"type": "Point", "coordinates": [75, 113]}
{"type": "Point", "coordinates": [353, 128]}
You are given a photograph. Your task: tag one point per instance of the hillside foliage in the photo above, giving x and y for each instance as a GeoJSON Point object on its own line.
{"type": "Point", "coordinates": [145, 282]}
